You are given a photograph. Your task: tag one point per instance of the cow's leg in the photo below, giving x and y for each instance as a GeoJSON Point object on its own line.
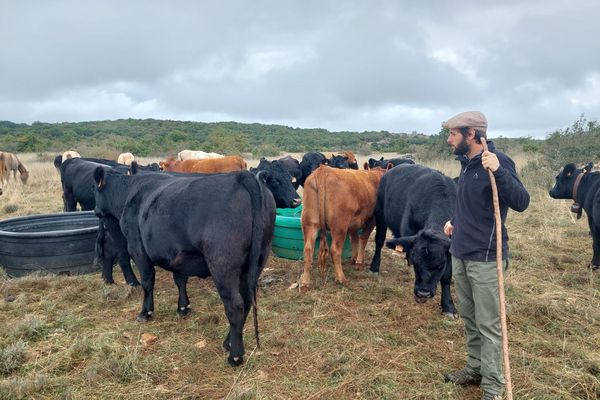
{"type": "Point", "coordinates": [119, 248]}
{"type": "Point", "coordinates": [364, 238]}
{"type": "Point", "coordinates": [447, 303]}
{"type": "Point", "coordinates": [354, 243]}
{"type": "Point", "coordinates": [183, 303]}
{"type": "Point", "coordinates": [69, 201]}
{"type": "Point", "coordinates": [102, 256]}
{"type": "Point", "coordinates": [236, 310]}
{"type": "Point", "coordinates": [128, 274]}
{"type": "Point", "coordinates": [310, 235]}
{"type": "Point", "coordinates": [380, 232]}
{"type": "Point", "coordinates": [595, 231]}
{"type": "Point", "coordinates": [338, 237]}
{"type": "Point", "coordinates": [147, 275]}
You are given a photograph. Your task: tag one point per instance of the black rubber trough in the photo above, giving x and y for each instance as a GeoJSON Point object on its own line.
{"type": "Point", "coordinates": [61, 243]}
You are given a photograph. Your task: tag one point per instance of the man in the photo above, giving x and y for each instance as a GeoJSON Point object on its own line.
{"type": "Point", "coordinates": [473, 247]}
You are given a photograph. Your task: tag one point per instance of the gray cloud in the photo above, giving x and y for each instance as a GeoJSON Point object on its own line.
{"type": "Point", "coordinates": [356, 65]}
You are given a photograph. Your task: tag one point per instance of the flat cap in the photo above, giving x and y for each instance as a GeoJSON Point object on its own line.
{"type": "Point", "coordinates": [467, 119]}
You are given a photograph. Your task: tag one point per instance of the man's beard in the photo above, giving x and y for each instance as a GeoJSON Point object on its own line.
{"type": "Point", "coordinates": [462, 148]}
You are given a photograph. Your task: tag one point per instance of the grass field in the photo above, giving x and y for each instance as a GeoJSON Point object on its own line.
{"type": "Point", "coordinates": [76, 338]}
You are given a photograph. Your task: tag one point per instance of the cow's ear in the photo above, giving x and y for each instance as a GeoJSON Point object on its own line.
{"type": "Point", "coordinates": [589, 167]}
{"type": "Point", "coordinates": [134, 168]}
{"type": "Point", "coordinates": [262, 176]}
{"type": "Point", "coordinates": [100, 177]}
{"type": "Point", "coordinates": [389, 166]}
{"type": "Point", "coordinates": [366, 166]}
{"type": "Point", "coordinates": [381, 159]}
{"type": "Point", "coordinates": [569, 169]}
{"type": "Point", "coordinates": [403, 244]}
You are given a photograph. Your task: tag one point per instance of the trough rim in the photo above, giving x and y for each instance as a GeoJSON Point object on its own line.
{"type": "Point", "coordinates": [68, 215]}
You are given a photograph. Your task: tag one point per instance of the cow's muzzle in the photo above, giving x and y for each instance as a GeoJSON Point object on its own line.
{"type": "Point", "coordinates": [421, 296]}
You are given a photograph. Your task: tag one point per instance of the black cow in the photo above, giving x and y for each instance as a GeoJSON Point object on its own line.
{"type": "Point", "coordinates": [587, 196]}
{"type": "Point", "coordinates": [288, 164]}
{"type": "Point", "coordinates": [384, 163]}
{"type": "Point", "coordinates": [415, 202]}
{"type": "Point", "coordinates": [311, 161]}
{"type": "Point", "coordinates": [339, 161]}
{"type": "Point", "coordinates": [292, 165]}
{"type": "Point", "coordinates": [111, 247]}
{"type": "Point", "coordinates": [77, 177]}
{"type": "Point", "coordinates": [217, 225]}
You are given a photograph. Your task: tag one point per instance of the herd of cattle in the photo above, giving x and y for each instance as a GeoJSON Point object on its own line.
{"type": "Point", "coordinates": [205, 214]}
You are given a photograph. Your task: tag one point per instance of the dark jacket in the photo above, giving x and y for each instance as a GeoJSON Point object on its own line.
{"type": "Point", "coordinates": [474, 234]}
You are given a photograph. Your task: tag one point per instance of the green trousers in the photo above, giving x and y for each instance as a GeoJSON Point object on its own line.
{"type": "Point", "coordinates": [476, 284]}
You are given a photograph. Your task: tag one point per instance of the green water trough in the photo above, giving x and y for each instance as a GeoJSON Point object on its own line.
{"type": "Point", "coordinates": [288, 241]}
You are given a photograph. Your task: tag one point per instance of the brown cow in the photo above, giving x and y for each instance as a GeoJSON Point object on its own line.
{"type": "Point", "coordinates": [343, 201]}
{"type": "Point", "coordinates": [12, 163]}
{"type": "Point", "coordinates": [225, 164]}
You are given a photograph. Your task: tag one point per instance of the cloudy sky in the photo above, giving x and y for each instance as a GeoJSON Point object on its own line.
{"type": "Point", "coordinates": [402, 66]}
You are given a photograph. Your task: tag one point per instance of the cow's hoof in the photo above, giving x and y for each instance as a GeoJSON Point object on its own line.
{"type": "Point", "coordinates": [343, 282]}
{"type": "Point", "coordinates": [133, 284]}
{"type": "Point", "coordinates": [143, 317]}
{"type": "Point", "coordinates": [594, 267]}
{"type": "Point", "coordinates": [109, 281]}
{"type": "Point", "coordinates": [304, 287]}
{"type": "Point", "coordinates": [450, 315]}
{"type": "Point", "coordinates": [235, 361]}
{"type": "Point", "coordinates": [359, 266]}
{"type": "Point", "coordinates": [184, 311]}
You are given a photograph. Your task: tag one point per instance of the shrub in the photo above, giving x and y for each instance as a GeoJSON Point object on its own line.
{"type": "Point", "coordinates": [12, 357]}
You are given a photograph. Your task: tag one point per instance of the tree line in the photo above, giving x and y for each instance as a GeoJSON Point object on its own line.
{"type": "Point", "coordinates": [151, 137]}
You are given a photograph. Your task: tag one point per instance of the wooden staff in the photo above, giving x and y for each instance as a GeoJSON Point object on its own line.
{"type": "Point", "coordinates": [500, 273]}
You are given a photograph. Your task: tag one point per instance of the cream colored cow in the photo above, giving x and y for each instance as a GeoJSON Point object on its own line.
{"type": "Point", "coordinates": [125, 158]}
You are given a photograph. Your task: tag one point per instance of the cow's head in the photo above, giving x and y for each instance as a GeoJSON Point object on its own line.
{"type": "Point", "coordinates": [263, 164]}
{"type": "Point", "coordinates": [339, 162]}
{"type": "Point", "coordinates": [153, 167]}
{"type": "Point", "coordinates": [57, 161]}
{"type": "Point", "coordinates": [279, 182]}
{"type": "Point", "coordinates": [372, 163]}
{"type": "Point", "coordinates": [167, 164]}
{"type": "Point", "coordinates": [565, 180]}
{"type": "Point", "coordinates": [428, 253]}
{"type": "Point", "coordinates": [310, 162]}
{"type": "Point", "coordinates": [100, 183]}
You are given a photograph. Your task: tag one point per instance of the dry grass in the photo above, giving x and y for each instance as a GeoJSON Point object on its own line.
{"type": "Point", "coordinates": [370, 340]}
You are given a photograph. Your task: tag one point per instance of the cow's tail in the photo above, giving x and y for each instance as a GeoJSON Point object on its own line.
{"type": "Point", "coordinates": [321, 192]}
{"type": "Point", "coordinates": [252, 185]}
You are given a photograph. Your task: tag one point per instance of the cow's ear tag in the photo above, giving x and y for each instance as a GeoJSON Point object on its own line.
{"type": "Point", "coordinates": [101, 183]}
{"type": "Point", "coordinates": [399, 248]}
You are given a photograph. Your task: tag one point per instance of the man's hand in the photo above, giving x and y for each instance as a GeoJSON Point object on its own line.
{"type": "Point", "coordinates": [448, 229]}
{"type": "Point", "coordinates": [490, 161]}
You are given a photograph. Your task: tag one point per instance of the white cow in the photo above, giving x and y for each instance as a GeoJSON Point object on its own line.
{"type": "Point", "coordinates": [197, 155]}
{"type": "Point", "coordinates": [70, 154]}
{"type": "Point", "coordinates": [126, 158]}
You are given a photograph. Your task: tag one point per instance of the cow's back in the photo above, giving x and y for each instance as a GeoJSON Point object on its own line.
{"type": "Point", "coordinates": [410, 193]}
{"type": "Point", "coordinates": [348, 193]}
{"type": "Point", "coordinates": [213, 165]}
